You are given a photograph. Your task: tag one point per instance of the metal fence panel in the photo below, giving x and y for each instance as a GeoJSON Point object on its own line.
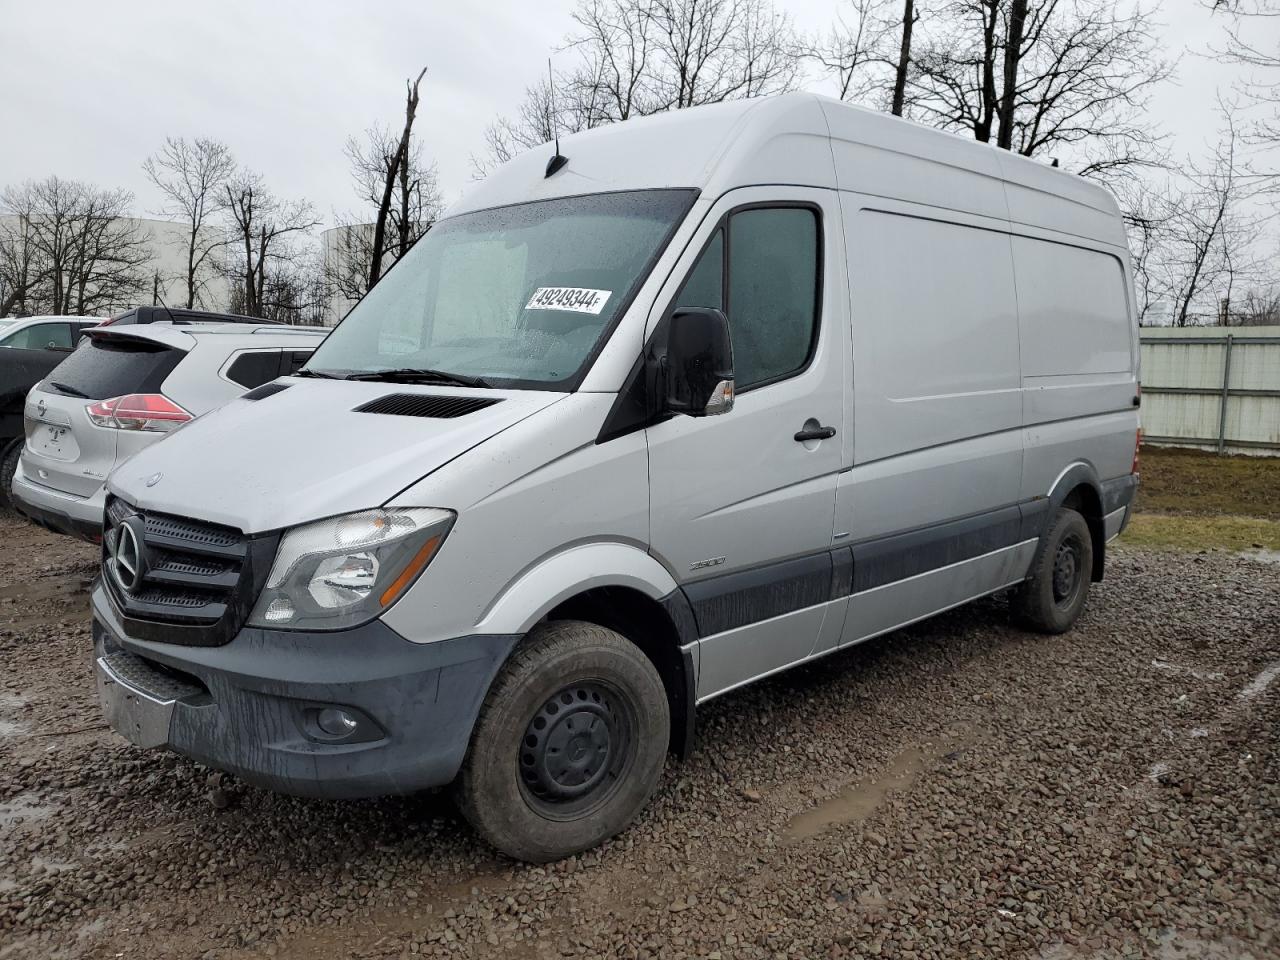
{"type": "Point", "coordinates": [1212, 387]}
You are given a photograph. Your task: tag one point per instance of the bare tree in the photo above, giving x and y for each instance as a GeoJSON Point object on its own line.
{"type": "Point", "coordinates": [1205, 242]}
{"type": "Point", "coordinates": [192, 176]}
{"type": "Point", "coordinates": [22, 268]}
{"type": "Point", "coordinates": [1258, 308]}
{"type": "Point", "coordinates": [857, 51]}
{"type": "Point", "coordinates": [1148, 208]}
{"type": "Point", "coordinates": [1039, 75]}
{"type": "Point", "coordinates": [903, 67]}
{"type": "Point", "coordinates": [266, 229]}
{"type": "Point", "coordinates": [415, 206]}
{"type": "Point", "coordinates": [638, 57]}
{"type": "Point", "coordinates": [74, 247]}
{"type": "Point", "coordinates": [391, 168]}
{"type": "Point", "coordinates": [1246, 46]}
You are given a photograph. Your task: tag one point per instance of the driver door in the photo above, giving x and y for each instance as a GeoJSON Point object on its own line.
{"type": "Point", "coordinates": [742, 505]}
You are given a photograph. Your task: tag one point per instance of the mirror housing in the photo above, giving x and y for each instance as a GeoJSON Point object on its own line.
{"type": "Point", "coordinates": [695, 365]}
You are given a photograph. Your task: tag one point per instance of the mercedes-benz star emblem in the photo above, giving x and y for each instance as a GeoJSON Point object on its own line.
{"type": "Point", "coordinates": [128, 564]}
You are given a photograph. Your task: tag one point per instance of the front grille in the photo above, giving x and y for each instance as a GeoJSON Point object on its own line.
{"type": "Point", "coordinates": [198, 580]}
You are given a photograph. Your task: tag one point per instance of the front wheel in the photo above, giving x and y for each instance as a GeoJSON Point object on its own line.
{"type": "Point", "coordinates": [569, 744]}
{"type": "Point", "coordinates": [1055, 592]}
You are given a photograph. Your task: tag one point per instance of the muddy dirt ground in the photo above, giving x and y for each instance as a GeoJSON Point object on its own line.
{"type": "Point", "coordinates": [958, 789]}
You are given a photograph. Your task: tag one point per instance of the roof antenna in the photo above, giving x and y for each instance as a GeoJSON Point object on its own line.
{"type": "Point", "coordinates": [557, 161]}
{"type": "Point", "coordinates": [1055, 162]}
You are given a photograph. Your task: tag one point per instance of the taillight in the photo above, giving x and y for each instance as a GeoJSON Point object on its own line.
{"type": "Point", "coordinates": [1137, 447]}
{"type": "Point", "coordinates": [152, 412]}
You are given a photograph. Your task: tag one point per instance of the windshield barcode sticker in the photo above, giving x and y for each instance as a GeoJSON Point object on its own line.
{"type": "Point", "coordinates": [576, 299]}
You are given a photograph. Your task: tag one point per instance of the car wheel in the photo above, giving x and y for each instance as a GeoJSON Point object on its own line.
{"type": "Point", "coordinates": [1055, 592]}
{"type": "Point", "coordinates": [8, 467]}
{"type": "Point", "coordinates": [569, 744]}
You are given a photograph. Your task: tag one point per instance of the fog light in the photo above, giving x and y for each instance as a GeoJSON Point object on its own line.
{"type": "Point", "coordinates": [335, 722]}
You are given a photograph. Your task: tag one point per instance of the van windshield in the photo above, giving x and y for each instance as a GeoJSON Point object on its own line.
{"type": "Point", "coordinates": [515, 296]}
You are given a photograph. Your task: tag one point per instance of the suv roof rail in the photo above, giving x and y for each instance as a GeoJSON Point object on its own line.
{"type": "Point", "coordinates": [181, 316]}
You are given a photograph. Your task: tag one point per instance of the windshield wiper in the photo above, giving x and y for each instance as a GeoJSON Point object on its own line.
{"type": "Point", "coordinates": [418, 375]}
{"type": "Point", "coordinates": [69, 391]}
{"type": "Point", "coordinates": [314, 373]}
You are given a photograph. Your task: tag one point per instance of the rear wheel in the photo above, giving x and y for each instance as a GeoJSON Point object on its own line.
{"type": "Point", "coordinates": [569, 744]}
{"type": "Point", "coordinates": [1055, 593]}
{"type": "Point", "coordinates": [9, 456]}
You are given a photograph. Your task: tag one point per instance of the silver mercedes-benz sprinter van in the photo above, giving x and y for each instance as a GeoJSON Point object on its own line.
{"type": "Point", "coordinates": [696, 399]}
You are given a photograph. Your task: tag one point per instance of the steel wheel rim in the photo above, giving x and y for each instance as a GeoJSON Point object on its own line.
{"type": "Point", "coordinates": [577, 747]}
{"type": "Point", "coordinates": [1068, 568]}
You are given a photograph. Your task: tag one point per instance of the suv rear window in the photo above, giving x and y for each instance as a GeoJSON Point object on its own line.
{"type": "Point", "coordinates": [104, 368]}
{"type": "Point", "coordinates": [254, 368]}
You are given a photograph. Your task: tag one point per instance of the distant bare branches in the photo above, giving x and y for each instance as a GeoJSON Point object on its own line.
{"type": "Point", "coordinates": [266, 230]}
{"type": "Point", "coordinates": [1040, 75]}
{"type": "Point", "coordinates": [69, 247]}
{"type": "Point", "coordinates": [191, 176]}
{"type": "Point", "coordinates": [396, 188]}
{"type": "Point", "coordinates": [640, 57]}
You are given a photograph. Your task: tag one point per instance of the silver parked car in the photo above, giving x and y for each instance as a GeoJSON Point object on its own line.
{"type": "Point", "coordinates": [126, 388]}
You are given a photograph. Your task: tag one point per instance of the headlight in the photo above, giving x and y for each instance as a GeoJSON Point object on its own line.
{"type": "Point", "coordinates": [341, 572]}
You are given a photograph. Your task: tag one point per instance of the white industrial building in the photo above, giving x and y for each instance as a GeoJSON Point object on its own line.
{"type": "Point", "coordinates": [167, 242]}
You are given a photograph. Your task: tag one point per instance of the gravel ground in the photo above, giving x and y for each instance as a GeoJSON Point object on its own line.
{"type": "Point", "coordinates": [958, 789]}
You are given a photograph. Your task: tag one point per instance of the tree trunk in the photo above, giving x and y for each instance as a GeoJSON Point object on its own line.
{"type": "Point", "coordinates": [393, 169]}
{"type": "Point", "coordinates": [1012, 57]}
{"type": "Point", "coordinates": [904, 57]}
{"type": "Point", "coordinates": [982, 128]}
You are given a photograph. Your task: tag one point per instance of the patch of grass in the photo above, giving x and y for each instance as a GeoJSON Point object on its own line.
{"type": "Point", "coordinates": [1196, 482]}
{"type": "Point", "coordinates": [1184, 532]}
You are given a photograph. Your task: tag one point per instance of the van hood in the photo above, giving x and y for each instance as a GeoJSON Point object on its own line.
{"type": "Point", "coordinates": [306, 452]}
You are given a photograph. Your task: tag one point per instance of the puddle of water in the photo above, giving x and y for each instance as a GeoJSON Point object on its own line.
{"type": "Point", "coordinates": [1261, 555]}
{"type": "Point", "coordinates": [51, 866]}
{"type": "Point", "coordinates": [25, 809]}
{"type": "Point", "coordinates": [1178, 668]}
{"type": "Point", "coordinates": [859, 801]}
{"type": "Point", "coordinates": [1259, 684]}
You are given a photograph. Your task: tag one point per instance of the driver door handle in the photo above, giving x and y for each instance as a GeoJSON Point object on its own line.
{"type": "Point", "coordinates": [815, 433]}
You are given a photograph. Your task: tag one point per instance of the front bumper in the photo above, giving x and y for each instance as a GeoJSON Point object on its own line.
{"type": "Point", "coordinates": [60, 512]}
{"type": "Point", "coordinates": [249, 706]}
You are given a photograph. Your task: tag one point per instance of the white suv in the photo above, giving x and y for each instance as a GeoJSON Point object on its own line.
{"type": "Point", "coordinates": [126, 388]}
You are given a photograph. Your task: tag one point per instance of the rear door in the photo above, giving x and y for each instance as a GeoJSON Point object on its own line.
{"type": "Point", "coordinates": [65, 450]}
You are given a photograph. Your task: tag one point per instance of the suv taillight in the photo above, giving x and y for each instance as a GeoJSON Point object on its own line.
{"type": "Point", "coordinates": [153, 412]}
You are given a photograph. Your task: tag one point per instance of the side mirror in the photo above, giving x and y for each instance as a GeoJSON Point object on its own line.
{"type": "Point", "coordinates": [696, 368]}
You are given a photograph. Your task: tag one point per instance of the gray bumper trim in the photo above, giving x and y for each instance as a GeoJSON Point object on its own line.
{"type": "Point", "coordinates": [248, 707]}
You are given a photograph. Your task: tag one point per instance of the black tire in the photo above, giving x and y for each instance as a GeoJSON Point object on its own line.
{"type": "Point", "coordinates": [1057, 588]}
{"type": "Point", "coordinates": [573, 697]}
{"type": "Point", "coordinates": [9, 455]}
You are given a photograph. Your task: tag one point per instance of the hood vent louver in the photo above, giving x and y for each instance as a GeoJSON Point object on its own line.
{"type": "Point", "coordinates": [264, 391]}
{"type": "Point", "coordinates": [426, 405]}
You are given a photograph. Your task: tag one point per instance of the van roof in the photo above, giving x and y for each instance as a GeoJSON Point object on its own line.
{"type": "Point", "coordinates": [804, 139]}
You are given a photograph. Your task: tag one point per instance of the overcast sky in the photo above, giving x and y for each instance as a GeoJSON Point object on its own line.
{"type": "Point", "coordinates": [91, 88]}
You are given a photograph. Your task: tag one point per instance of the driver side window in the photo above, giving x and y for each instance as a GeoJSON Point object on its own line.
{"type": "Point", "coordinates": [761, 267]}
